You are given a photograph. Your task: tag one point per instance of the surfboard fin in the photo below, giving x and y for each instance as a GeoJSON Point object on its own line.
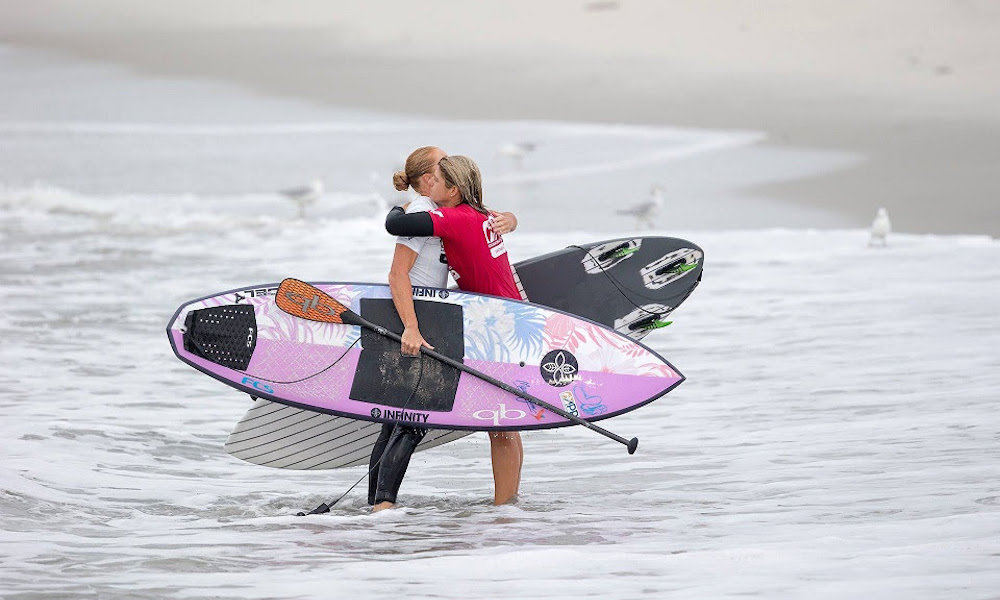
{"type": "Point", "coordinates": [649, 323]}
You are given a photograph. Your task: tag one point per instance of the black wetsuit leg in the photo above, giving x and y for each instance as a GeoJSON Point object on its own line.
{"type": "Point", "coordinates": [395, 451]}
{"type": "Point", "coordinates": [375, 462]}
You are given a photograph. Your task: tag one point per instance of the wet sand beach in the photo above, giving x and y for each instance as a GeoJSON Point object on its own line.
{"type": "Point", "coordinates": [909, 87]}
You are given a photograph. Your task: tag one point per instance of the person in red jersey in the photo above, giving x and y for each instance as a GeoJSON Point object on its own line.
{"type": "Point", "coordinates": [478, 260]}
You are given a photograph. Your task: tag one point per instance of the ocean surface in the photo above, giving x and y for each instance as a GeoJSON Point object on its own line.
{"type": "Point", "coordinates": [837, 435]}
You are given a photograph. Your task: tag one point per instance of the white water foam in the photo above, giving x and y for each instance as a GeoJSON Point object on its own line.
{"type": "Point", "coordinates": [836, 435]}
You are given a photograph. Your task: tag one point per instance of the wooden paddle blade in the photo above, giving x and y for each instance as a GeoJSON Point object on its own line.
{"type": "Point", "coordinates": [302, 300]}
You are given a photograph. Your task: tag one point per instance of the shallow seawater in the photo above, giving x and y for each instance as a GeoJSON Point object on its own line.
{"type": "Point", "coordinates": [837, 434]}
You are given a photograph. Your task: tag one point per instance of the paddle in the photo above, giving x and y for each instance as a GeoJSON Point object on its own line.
{"type": "Point", "coordinates": [305, 301]}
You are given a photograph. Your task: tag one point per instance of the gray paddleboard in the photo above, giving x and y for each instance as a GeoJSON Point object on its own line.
{"type": "Point", "coordinates": [631, 284]}
{"type": "Point", "coordinates": [284, 437]}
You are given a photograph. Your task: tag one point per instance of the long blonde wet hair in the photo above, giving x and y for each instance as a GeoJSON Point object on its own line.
{"type": "Point", "coordinates": [418, 163]}
{"type": "Point", "coordinates": [462, 172]}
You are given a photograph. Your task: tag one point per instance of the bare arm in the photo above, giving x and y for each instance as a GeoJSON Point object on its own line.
{"type": "Point", "coordinates": [402, 296]}
{"type": "Point", "coordinates": [503, 222]}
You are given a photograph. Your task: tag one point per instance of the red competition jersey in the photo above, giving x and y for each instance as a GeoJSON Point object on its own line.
{"type": "Point", "coordinates": [476, 253]}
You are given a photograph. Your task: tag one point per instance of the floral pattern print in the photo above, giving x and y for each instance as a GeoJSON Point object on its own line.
{"type": "Point", "coordinates": [498, 330]}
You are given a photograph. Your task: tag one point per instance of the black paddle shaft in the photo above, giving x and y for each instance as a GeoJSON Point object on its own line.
{"type": "Point", "coordinates": [352, 318]}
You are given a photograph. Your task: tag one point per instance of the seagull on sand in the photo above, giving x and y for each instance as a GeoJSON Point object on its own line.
{"type": "Point", "coordinates": [517, 151]}
{"type": "Point", "coordinates": [881, 227]}
{"type": "Point", "coordinates": [646, 211]}
{"type": "Point", "coordinates": [305, 195]}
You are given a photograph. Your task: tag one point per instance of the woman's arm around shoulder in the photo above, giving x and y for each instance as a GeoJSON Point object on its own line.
{"type": "Point", "coordinates": [398, 222]}
{"type": "Point", "coordinates": [503, 222]}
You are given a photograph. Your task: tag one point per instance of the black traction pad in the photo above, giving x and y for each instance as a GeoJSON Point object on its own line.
{"type": "Point", "coordinates": [225, 335]}
{"type": "Point", "coordinates": [384, 376]}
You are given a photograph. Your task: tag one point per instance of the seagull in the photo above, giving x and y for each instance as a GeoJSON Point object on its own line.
{"type": "Point", "coordinates": [517, 151]}
{"type": "Point", "coordinates": [304, 195]}
{"type": "Point", "coordinates": [646, 211]}
{"type": "Point", "coordinates": [881, 227]}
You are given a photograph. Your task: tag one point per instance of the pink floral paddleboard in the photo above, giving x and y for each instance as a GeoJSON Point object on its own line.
{"type": "Point", "coordinates": [243, 339]}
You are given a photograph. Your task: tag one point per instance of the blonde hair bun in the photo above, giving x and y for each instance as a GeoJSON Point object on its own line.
{"type": "Point", "coordinates": [400, 180]}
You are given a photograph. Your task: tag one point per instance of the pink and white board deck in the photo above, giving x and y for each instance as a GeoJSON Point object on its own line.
{"type": "Point", "coordinates": [585, 368]}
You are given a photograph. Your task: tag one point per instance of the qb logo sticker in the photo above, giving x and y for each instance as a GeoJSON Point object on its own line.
{"type": "Point", "coordinates": [569, 403]}
{"type": "Point", "coordinates": [496, 415]}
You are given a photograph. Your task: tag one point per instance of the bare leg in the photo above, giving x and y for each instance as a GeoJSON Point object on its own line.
{"type": "Point", "coordinates": [382, 506]}
{"type": "Point", "coordinates": [508, 456]}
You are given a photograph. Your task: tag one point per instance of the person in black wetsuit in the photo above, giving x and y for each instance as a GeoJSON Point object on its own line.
{"type": "Point", "coordinates": [417, 261]}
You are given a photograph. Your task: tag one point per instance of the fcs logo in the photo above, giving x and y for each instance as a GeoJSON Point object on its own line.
{"type": "Point", "coordinates": [258, 385]}
{"type": "Point", "coordinates": [438, 213]}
